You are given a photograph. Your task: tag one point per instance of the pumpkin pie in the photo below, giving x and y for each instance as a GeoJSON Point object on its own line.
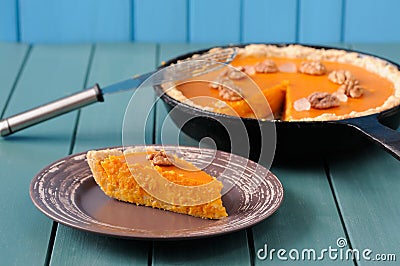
{"type": "Point", "coordinates": [299, 83]}
{"type": "Point", "coordinates": [155, 179]}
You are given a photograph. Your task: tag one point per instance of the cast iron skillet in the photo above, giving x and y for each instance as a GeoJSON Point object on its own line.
{"type": "Point", "coordinates": [293, 139]}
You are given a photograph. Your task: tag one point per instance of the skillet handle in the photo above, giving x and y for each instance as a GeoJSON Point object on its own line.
{"type": "Point", "coordinates": [387, 138]}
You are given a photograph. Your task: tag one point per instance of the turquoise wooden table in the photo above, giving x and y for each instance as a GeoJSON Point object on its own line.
{"type": "Point", "coordinates": [333, 207]}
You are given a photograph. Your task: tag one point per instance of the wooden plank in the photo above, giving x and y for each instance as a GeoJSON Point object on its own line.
{"type": "Point", "coordinates": [100, 125]}
{"type": "Point", "coordinates": [160, 21]}
{"type": "Point", "coordinates": [320, 21]}
{"type": "Point", "coordinates": [214, 21]}
{"type": "Point", "coordinates": [47, 21]}
{"type": "Point", "coordinates": [231, 249]}
{"type": "Point", "coordinates": [32, 93]}
{"type": "Point", "coordinates": [370, 21]}
{"type": "Point", "coordinates": [8, 21]}
{"type": "Point", "coordinates": [112, 63]}
{"type": "Point", "coordinates": [73, 247]}
{"type": "Point", "coordinates": [224, 250]}
{"type": "Point", "coordinates": [269, 21]}
{"type": "Point", "coordinates": [200, 21]}
{"type": "Point", "coordinates": [11, 58]}
{"type": "Point", "coordinates": [366, 183]}
{"type": "Point", "coordinates": [50, 72]}
{"type": "Point", "coordinates": [307, 219]}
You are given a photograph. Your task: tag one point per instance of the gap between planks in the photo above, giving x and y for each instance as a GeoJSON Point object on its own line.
{"type": "Point", "coordinates": [71, 148]}
{"type": "Point", "coordinates": [14, 85]}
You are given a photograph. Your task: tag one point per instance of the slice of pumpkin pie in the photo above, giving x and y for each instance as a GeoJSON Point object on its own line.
{"type": "Point", "coordinates": [155, 179]}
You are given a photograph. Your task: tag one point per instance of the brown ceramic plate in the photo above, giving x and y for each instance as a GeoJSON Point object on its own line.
{"type": "Point", "coordinates": [66, 192]}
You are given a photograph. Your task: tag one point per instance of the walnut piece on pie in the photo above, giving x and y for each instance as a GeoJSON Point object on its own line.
{"type": "Point", "coordinates": [352, 88]}
{"type": "Point", "coordinates": [323, 100]}
{"type": "Point", "coordinates": [315, 68]}
{"type": "Point", "coordinates": [235, 74]}
{"type": "Point", "coordinates": [267, 66]}
{"type": "Point", "coordinates": [231, 73]}
{"type": "Point", "coordinates": [159, 158]}
{"type": "Point", "coordinates": [341, 76]}
{"type": "Point", "coordinates": [229, 91]}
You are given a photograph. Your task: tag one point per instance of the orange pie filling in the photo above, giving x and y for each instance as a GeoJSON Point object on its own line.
{"type": "Point", "coordinates": [296, 83]}
{"type": "Point", "coordinates": [180, 187]}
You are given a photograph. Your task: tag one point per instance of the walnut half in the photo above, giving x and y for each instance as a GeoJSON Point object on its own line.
{"type": "Point", "coordinates": [159, 158]}
{"type": "Point", "coordinates": [315, 68]}
{"type": "Point", "coordinates": [352, 89]}
{"type": "Point", "coordinates": [229, 91]}
{"type": "Point", "coordinates": [267, 66]}
{"type": "Point", "coordinates": [341, 76]}
{"type": "Point", "coordinates": [323, 100]}
{"type": "Point", "coordinates": [350, 86]}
